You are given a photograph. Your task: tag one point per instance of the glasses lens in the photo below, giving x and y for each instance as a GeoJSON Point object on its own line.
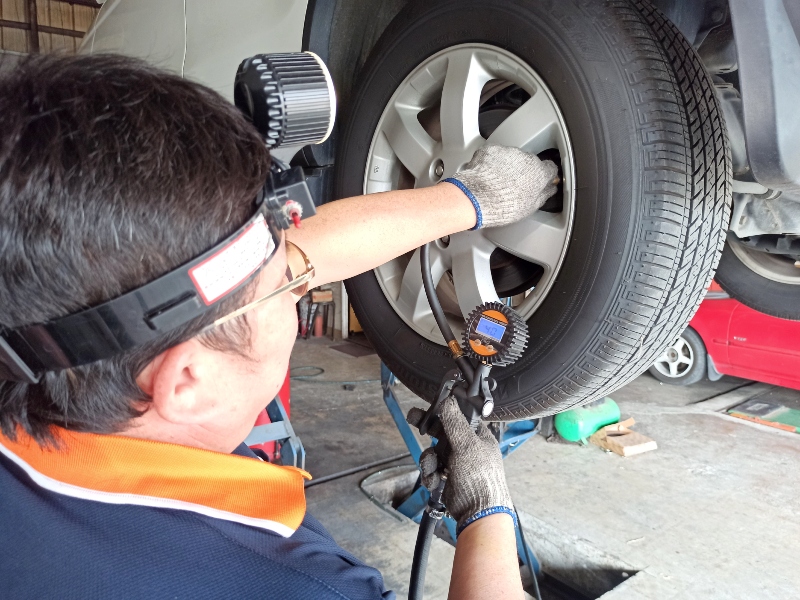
{"type": "Point", "coordinates": [297, 285]}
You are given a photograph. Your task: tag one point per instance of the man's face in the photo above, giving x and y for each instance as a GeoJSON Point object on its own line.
{"type": "Point", "coordinates": [243, 385]}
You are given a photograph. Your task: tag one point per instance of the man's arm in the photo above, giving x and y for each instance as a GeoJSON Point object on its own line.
{"type": "Point", "coordinates": [485, 566]}
{"type": "Point", "coordinates": [498, 186]}
{"type": "Point", "coordinates": [351, 236]}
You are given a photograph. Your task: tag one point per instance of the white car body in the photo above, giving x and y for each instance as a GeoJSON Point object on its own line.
{"type": "Point", "coordinates": [202, 40]}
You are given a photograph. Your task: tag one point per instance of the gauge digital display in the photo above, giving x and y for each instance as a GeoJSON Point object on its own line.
{"type": "Point", "coordinates": [490, 329]}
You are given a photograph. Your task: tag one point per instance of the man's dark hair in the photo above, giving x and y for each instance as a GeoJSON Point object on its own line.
{"type": "Point", "coordinates": [112, 173]}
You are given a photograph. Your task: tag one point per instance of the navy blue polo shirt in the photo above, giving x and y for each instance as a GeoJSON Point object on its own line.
{"type": "Point", "coordinates": [57, 545]}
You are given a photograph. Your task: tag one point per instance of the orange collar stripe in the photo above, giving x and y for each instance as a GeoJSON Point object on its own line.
{"type": "Point", "coordinates": [121, 470]}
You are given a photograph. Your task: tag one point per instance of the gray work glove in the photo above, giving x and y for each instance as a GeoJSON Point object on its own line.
{"type": "Point", "coordinates": [505, 184]}
{"type": "Point", "coordinates": [476, 483]}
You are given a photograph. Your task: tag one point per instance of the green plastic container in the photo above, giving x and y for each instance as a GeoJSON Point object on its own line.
{"type": "Point", "coordinates": [577, 424]}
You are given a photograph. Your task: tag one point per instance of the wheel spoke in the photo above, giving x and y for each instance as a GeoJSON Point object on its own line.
{"type": "Point", "coordinates": [461, 95]}
{"type": "Point", "coordinates": [673, 369]}
{"type": "Point", "coordinates": [412, 300]}
{"type": "Point", "coordinates": [472, 275]}
{"type": "Point", "coordinates": [662, 366]}
{"type": "Point", "coordinates": [663, 358]}
{"type": "Point", "coordinates": [685, 360]}
{"type": "Point", "coordinates": [539, 239]}
{"type": "Point", "coordinates": [409, 141]}
{"type": "Point", "coordinates": [678, 345]}
{"type": "Point", "coordinates": [532, 127]}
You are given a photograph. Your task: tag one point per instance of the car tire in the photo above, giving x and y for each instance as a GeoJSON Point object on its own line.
{"type": "Point", "coordinates": [652, 174]}
{"type": "Point", "coordinates": [684, 362]}
{"type": "Point", "coordinates": [768, 284]}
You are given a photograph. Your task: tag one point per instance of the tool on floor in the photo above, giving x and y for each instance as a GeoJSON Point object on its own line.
{"type": "Point", "coordinates": [494, 336]}
{"type": "Point", "coordinates": [771, 414]}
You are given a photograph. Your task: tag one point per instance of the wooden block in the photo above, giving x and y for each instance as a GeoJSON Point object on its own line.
{"type": "Point", "coordinates": [321, 296]}
{"type": "Point", "coordinates": [620, 439]}
{"type": "Point", "coordinates": [355, 326]}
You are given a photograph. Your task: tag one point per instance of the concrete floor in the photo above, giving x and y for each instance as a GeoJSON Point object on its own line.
{"type": "Point", "coordinates": [713, 513]}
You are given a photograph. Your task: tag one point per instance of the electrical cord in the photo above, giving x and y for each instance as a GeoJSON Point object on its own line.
{"type": "Point", "coordinates": [320, 371]}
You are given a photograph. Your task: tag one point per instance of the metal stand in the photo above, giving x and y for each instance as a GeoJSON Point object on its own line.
{"type": "Point", "coordinates": [281, 432]}
{"type": "Point", "coordinates": [512, 437]}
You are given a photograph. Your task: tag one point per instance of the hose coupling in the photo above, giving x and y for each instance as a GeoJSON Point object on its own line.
{"type": "Point", "coordinates": [455, 349]}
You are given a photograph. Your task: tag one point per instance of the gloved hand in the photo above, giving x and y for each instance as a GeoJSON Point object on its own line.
{"type": "Point", "coordinates": [476, 484]}
{"type": "Point", "coordinates": [505, 184]}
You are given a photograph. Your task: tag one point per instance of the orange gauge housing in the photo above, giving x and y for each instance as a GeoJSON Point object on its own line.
{"type": "Point", "coordinates": [495, 334]}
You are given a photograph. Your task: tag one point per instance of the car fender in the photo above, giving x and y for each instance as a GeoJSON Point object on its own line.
{"type": "Point", "coordinates": [712, 323]}
{"type": "Point", "coordinates": [767, 38]}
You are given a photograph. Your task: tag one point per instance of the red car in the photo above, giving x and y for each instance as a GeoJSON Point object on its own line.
{"type": "Point", "coordinates": [726, 337]}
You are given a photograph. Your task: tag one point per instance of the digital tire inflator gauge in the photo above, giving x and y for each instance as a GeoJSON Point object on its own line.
{"type": "Point", "coordinates": [291, 101]}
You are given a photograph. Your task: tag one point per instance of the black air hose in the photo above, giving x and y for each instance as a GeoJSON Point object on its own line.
{"type": "Point", "coordinates": [438, 314]}
{"type": "Point", "coordinates": [421, 550]}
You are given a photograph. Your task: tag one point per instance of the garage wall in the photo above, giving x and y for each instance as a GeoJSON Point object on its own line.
{"type": "Point", "coordinates": [33, 26]}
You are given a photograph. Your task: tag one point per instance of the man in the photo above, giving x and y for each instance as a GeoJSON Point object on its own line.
{"type": "Point", "coordinates": [125, 477]}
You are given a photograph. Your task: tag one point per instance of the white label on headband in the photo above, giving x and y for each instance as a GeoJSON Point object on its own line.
{"type": "Point", "coordinates": [228, 268]}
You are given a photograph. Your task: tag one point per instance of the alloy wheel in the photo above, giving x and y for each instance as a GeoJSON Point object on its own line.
{"type": "Point", "coordinates": [442, 112]}
{"type": "Point", "coordinates": [676, 360]}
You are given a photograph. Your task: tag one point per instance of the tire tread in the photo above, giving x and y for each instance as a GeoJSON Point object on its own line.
{"type": "Point", "coordinates": [677, 269]}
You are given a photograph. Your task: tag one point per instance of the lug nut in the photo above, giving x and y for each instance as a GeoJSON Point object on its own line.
{"type": "Point", "coordinates": [438, 169]}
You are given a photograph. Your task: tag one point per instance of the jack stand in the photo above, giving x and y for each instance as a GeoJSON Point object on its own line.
{"type": "Point", "coordinates": [513, 436]}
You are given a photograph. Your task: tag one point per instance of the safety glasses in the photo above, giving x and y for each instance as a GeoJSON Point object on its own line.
{"type": "Point", "coordinates": [298, 285]}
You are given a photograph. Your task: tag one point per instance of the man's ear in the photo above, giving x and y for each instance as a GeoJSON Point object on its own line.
{"type": "Point", "coordinates": [175, 381]}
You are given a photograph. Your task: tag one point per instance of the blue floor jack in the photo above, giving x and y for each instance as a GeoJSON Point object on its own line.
{"type": "Point", "coordinates": [514, 435]}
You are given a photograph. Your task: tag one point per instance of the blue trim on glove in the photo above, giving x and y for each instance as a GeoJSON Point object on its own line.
{"type": "Point", "coordinates": [493, 510]}
{"type": "Point", "coordinates": [472, 199]}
